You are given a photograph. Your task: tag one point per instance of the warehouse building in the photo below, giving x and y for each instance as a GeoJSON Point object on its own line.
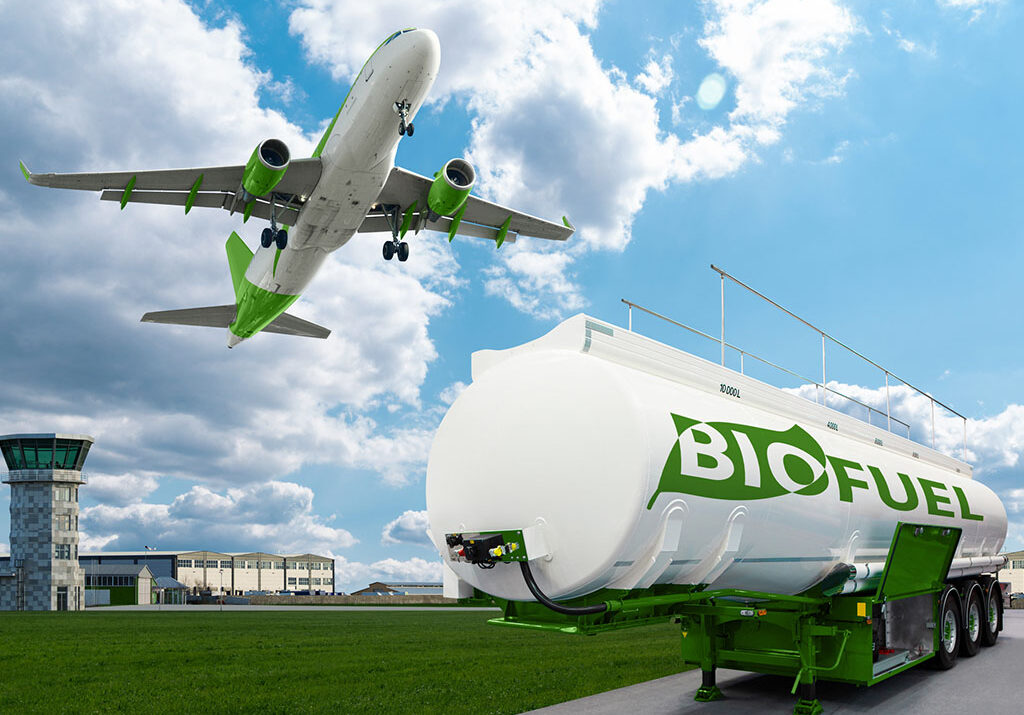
{"type": "Point", "coordinates": [119, 585]}
{"type": "Point", "coordinates": [232, 574]}
{"type": "Point", "coordinates": [1013, 573]}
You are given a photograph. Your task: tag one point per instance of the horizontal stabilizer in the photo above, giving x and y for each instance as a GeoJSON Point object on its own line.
{"type": "Point", "coordinates": [290, 325]}
{"type": "Point", "coordinates": [217, 316]}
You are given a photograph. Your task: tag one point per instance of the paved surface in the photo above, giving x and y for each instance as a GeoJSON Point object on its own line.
{"type": "Point", "coordinates": [226, 608]}
{"type": "Point", "coordinates": [987, 683]}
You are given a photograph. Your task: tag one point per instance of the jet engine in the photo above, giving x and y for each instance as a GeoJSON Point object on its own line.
{"type": "Point", "coordinates": [265, 169]}
{"type": "Point", "coordinates": [451, 187]}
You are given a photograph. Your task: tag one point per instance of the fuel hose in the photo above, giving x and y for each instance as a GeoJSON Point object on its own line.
{"type": "Point", "coordinates": [556, 607]}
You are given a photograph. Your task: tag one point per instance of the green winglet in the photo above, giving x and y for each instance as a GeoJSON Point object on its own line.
{"type": "Point", "coordinates": [456, 220]}
{"type": "Point", "coordinates": [502, 232]}
{"type": "Point", "coordinates": [407, 219]}
{"type": "Point", "coordinates": [127, 192]}
{"type": "Point", "coordinates": [567, 223]}
{"type": "Point", "coordinates": [248, 211]}
{"type": "Point", "coordinates": [192, 194]}
{"type": "Point", "coordinates": [25, 171]}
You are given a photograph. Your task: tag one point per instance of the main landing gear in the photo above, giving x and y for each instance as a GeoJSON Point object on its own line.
{"type": "Point", "coordinates": [405, 127]}
{"type": "Point", "coordinates": [272, 234]}
{"type": "Point", "coordinates": [395, 246]}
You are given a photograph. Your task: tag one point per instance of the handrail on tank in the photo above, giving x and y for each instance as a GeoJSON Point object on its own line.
{"type": "Point", "coordinates": [743, 353]}
{"type": "Point", "coordinates": [825, 390]}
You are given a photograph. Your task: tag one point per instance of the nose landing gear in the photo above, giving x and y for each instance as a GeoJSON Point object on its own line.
{"type": "Point", "coordinates": [405, 127]}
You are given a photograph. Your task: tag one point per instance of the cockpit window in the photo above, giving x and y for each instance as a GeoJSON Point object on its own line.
{"type": "Point", "coordinates": [400, 32]}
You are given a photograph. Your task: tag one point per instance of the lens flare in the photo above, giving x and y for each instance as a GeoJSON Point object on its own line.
{"type": "Point", "coordinates": [711, 91]}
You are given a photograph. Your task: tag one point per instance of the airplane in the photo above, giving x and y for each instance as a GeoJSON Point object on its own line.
{"type": "Point", "coordinates": [350, 185]}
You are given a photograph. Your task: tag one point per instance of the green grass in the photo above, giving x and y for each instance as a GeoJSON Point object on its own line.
{"type": "Point", "coordinates": [287, 662]}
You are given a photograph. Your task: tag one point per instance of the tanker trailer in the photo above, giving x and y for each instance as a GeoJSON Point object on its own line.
{"type": "Point", "coordinates": [594, 479]}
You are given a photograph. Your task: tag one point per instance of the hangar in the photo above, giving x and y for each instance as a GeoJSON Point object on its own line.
{"type": "Point", "coordinates": [233, 574]}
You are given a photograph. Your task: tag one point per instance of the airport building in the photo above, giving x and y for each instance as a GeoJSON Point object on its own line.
{"type": "Point", "coordinates": [42, 572]}
{"type": "Point", "coordinates": [232, 574]}
{"type": "Point", "coordinates": [1013, 572]}
{"type": "Point", "coordinates": [380, 588]}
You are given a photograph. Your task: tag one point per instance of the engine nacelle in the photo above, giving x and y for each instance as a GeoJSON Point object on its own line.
{"type": "Point", "coordinates": [265, 169]}
{"type": "Point", "coordinates": [451, 187]}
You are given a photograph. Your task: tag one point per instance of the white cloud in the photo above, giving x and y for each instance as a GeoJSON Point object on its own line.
{"type": "Point", "coordinates": [778, 51]}
{"type": "Point", "coordinates": [450, 394]}
{"type": "Point", "coordinates": [611, 148]}
{"type": "Point", "coordinates": [120, 489]}
{"type": "Point", "coordinates": [908, 45]}
{"type": "Point", "coordinates": [273, 516]}
{"type": "Point", "coordinates": [5, 548]}
{"type": "Point", "coordinates": [352, 575]}
{"type": "Point", "coordinates": [657, 75]}
{"type": "Point", "coordinates": [409, 528]}
{"type": "Point", "coordinates": [177, 92]}
{"type": "Point", "coordinates": [976, 7]}
{"type": "Point", "coordinates": [1013, 499]}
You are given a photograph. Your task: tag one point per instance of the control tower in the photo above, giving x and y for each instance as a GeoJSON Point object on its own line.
{"type": "Point", "coordinates": [44, 471]}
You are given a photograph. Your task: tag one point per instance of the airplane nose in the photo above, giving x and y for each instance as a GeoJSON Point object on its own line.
{"type": "Point", "coordinates": [425, 44]}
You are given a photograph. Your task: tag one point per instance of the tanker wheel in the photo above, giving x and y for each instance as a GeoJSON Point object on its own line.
{"type": "Point", "coordinates": [974, 609]}
{"type": "Point", "coordinates": [993, 604]}
{"type": "Point", "coordinates": [948, 625]}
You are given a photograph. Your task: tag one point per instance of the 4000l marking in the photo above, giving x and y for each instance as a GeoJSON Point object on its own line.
{"type": "Point", "coordinates": [722, 460]}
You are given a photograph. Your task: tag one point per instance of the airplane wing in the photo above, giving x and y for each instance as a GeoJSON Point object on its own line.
{"type": "Point", "coordinates": [480, 218]}
{"type": "Point", "coordinates": [214, 187]}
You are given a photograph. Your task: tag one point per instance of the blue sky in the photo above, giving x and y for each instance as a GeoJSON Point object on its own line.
{"type": "Point", "coordinates": [862, 168]}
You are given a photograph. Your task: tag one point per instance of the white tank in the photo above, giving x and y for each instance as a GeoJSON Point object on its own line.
{"type": "Point", "coordinates": [640, 464]}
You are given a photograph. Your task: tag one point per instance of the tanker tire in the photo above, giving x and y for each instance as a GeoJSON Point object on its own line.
{"type": "Point", "coordinates": [994, 604]}
{"type": "Point", "coordinates": [973, 622]}
{"type": "Point", "coordinates": [948, 626]}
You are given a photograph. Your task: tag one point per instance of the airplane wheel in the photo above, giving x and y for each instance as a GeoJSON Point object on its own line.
{"type": "Point", "coordinates": [403, 251]}
{"type": "Point", "coordinates": [408, 129]}
{"type": "Point", "coordinates": [266, 238]}
{"type": "Point", "coordinates": [282, 239]}
{"type": "Point", "coordinates": [389, 250]}
{"type": "Point", "coordinates": [401, 129]}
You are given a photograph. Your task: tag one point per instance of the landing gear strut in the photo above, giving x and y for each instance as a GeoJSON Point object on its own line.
{"type": "Point", "coordinates": [394, 246]}
{"type": "Point", "coordinates": [405, 127]}
{"type": "Point", "coordinates": [272, 234]}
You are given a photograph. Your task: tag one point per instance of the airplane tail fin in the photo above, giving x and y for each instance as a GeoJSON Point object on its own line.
{"type": "Point", "coordinates": [222, 316]}
{"type": "Point", "coordinates": [239, 257]}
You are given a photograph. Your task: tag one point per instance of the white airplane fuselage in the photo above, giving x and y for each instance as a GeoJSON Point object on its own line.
{"type": "Point", "coordinates": [356, 159]}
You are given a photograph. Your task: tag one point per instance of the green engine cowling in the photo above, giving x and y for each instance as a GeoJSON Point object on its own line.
{"type": "Point", "coordinates": [266, 168]}
{"type": "Point", "coordinates": [451, 187]}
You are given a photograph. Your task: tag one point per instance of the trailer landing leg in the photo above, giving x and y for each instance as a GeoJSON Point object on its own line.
{"type": "Point", "coordinates": [708, 691]}
{"type": "Point", "coordinates": [808, 703]}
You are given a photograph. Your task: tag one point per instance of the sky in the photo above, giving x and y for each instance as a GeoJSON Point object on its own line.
{"type": "Point", "coordinates": [858, 162]}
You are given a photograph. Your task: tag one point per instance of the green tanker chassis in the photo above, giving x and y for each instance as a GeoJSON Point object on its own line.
{"type": "Point", "coordinates": [913, 616]}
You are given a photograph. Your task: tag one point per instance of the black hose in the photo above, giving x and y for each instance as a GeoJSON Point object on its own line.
{"type": "Point", "coordinates": [556, 607]}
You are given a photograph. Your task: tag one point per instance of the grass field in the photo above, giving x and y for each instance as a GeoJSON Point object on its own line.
{"type": "Point", "coordinates": [310, 661]}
